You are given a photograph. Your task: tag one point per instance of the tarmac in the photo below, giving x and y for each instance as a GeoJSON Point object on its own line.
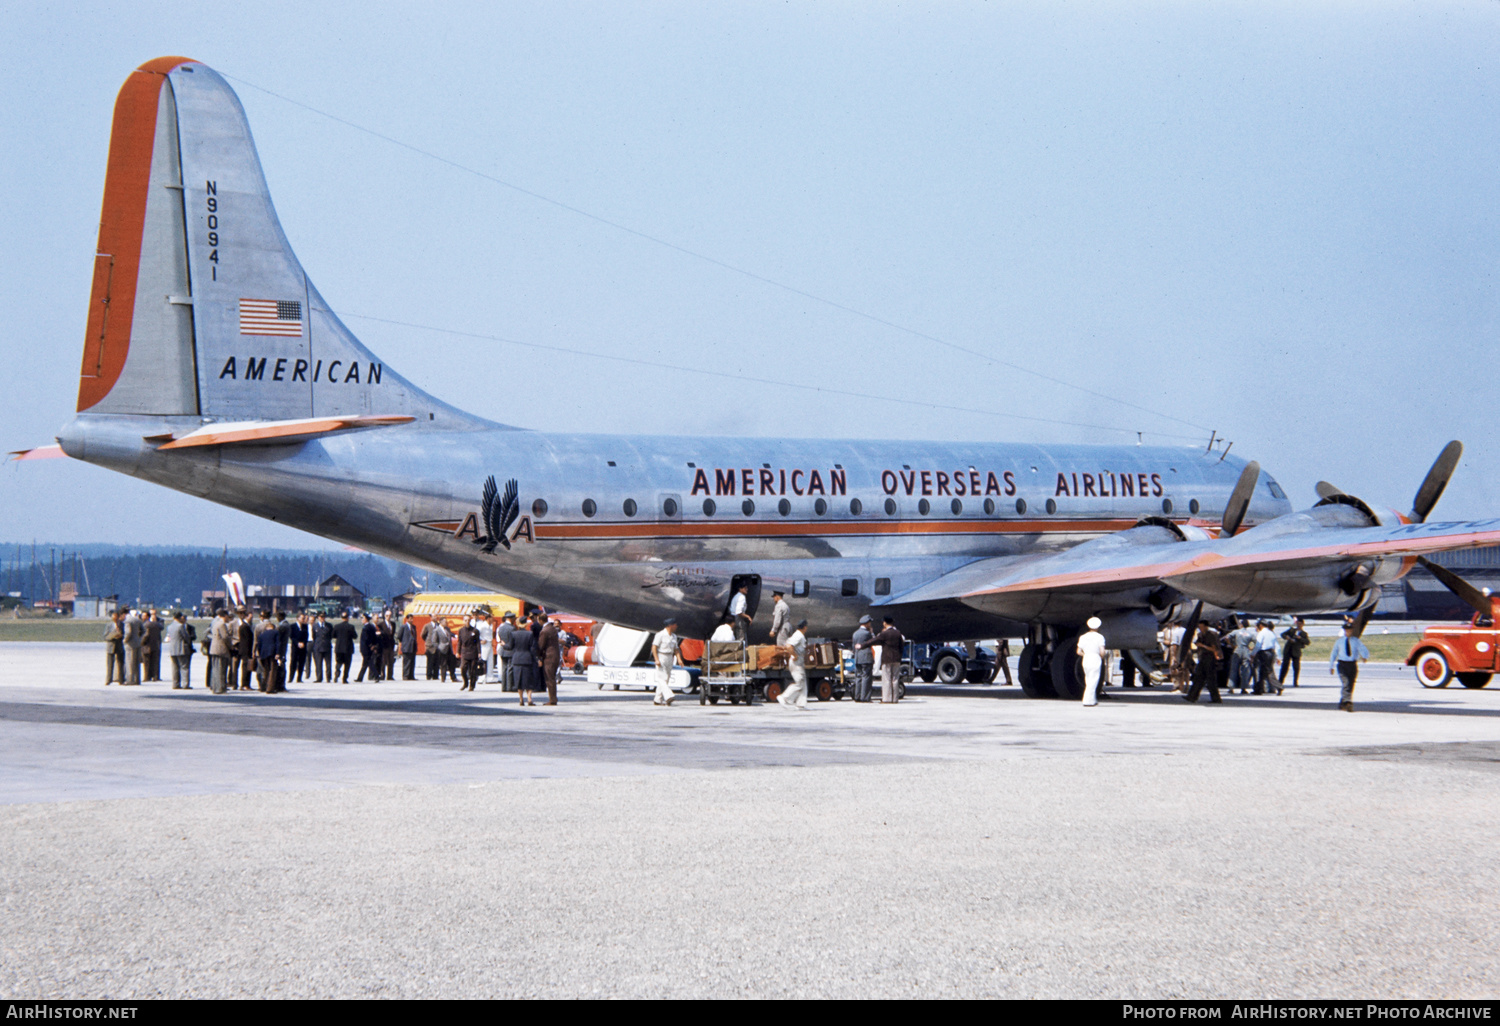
{"type": "Point", "coordinates": [402, 839]}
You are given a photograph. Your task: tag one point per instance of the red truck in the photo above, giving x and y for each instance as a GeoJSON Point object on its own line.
{"type": "Point", "coordinates": [1466, 651]}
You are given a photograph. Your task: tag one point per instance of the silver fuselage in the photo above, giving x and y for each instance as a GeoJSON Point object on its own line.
{"type": "Point", "coordinates": [413, 493]}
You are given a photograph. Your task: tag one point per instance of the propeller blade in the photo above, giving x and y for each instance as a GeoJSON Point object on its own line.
{"type": "Point", "coordinates": [1239, 499]}
{"type": "Point", "coordinates": [1326, 490]}
{"type": "Point", "coordinates": [1456, 584]}
{"type": "Point", "coordinates": [1185, 650]}
{"type": "Point", "coordinates": [1436, 480]}
{"type": "Point", "coordinates": [1362, 620]}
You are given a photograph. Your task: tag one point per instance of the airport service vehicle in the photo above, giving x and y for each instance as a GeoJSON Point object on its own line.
{"type": "Point", "coordinates": [740, 672]}
{"type": "Point", "coordinates": [212, 365]}
{"type": "Point", "coordinates": [949, 663]}
{"type": "Point", "coordinates": [1465, 651]}
{"type": "Point", "coordinates": [453, 608]}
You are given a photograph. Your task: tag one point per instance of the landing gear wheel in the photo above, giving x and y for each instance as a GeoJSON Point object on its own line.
{"type": "Point", "coordinates": [1474, 680]}
{"type": "Point", "coordinates": [1433, 670]}
{"type": "Point", "coordinates": [928, 676]}
{"type": "Point", "coordinates": [949, 669]}
{"type": "Point", "coordinates": [1033, 674]}
{"type": "Point", "coordinates": [825, 690]}
{"type": "Point", "coordinates": [1067, 673]}
{"type": "Point", "coordinates": [773, 691]}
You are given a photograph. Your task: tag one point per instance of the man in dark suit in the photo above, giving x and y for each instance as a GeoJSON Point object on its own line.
{"type": "Point", "coordinates": [267, 654]}
{"type": "Point", "coordinates": [549, 655]}
{"type": "Point", "coordinates": [300, 637]}
{"type": "Point", "coordinates": [369, 650]}
{"type": "Point", "coordinates": [151, 646]}
{"type": "Point", "coordinates": [385, 641]}
{"type": "Point", "coordinates": [320, 644]}
{"type": "Point", "coordinates": [507, 648]}
{"type": "Point", "coordinates": [468, 654]}
{"type": "Point", "coordinates": [345, 636]}
{"type": "Point", "coordinates": [242, 659]}
{"type": "Point", "coordinates": [284, 629]}
{"type": "Point", "coordinates": [407, 639]}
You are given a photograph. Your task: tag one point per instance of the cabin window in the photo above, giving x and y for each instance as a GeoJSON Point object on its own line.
{"type": "Point", "coordinates": [539, 508]}
{"type": "Point", "coordinates": [630, 507]}
{"type": "Point", "coordinates": [1051, 505]}
{"type": "Point", "coordinates": [820, 507]}
{"type": "Point", "coordinates": [747, 507]}
{"type": "Point", "coordinates": [784, 507]}
{"type": "Point", "coordinates": [800, 589]}
{"type": "Point", "coordinates": [924, 507]}
{"type": "Point", "coordinates": [890, 507]}
{"type": "Point", "coordinates": [590, 507]}
{"type": "Point", "coordinates": [1021, 506]}
{"type": "Point", "coordinates": [957, 507]}
{"type": "Point", "coordinates": [669, 507]}
{"type": "Point", "coordinates": [989, 507]}
{"type": "Point", "coordinates": [856, 507]}
{"type": "Point", "coordinates": [850, 587]}
{"type": "Point", "coordinates": [882, 585]}
{"type": "Point", "coordinates": [1166, 506]}
{"type": "Point", "coordinates": [709, 509]}
{"type": "Point", "coordinates": [1193, 506]}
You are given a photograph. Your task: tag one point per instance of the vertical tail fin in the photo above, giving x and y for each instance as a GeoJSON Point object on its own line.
{"type": "Point", "coordinates": [199, 305]}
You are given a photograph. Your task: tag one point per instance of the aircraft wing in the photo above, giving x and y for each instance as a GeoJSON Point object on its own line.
{"type": "Point", "coordinates": [1274, 568]}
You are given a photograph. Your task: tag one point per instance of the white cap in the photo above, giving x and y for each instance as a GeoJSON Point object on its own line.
{"type": "Point", "coordinates": [1095, 623]}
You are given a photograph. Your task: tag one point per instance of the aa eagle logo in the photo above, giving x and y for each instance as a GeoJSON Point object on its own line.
{"type": "Point", "coordinates": [498, 513]}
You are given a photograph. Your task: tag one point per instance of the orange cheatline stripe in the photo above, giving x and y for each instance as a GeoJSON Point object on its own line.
{"type": "Point", "coordinates": [803, 528]}
{"type": "Point", "coordinates": [122, 222]}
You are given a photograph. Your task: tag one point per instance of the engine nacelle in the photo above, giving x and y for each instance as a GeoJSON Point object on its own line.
{"type": "Point", "coordinates": [1298, 586]}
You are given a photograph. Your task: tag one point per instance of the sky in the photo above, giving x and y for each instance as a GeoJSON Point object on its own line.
{"type": "Point", "coordinates": [988, 222]}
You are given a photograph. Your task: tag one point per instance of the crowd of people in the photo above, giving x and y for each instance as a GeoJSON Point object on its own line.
{"type": "Point", "coordinates": [1238, 656]}
{"type": "Point", "coordinates": [248, 650]}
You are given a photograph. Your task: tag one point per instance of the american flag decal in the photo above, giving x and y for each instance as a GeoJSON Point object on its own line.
{"type": "Point", "coordinates": [271, 317]}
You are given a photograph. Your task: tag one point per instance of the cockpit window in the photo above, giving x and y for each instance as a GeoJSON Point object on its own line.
{"type": "Point", "coordinates": [1274, 489]}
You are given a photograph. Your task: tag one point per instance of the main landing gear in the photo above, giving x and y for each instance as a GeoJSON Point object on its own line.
{"type": "Point", "coordinates": [1049, 665]}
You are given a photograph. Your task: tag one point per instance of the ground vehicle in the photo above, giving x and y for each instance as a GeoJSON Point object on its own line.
{"type": "Point", "coordinates": [949, 663]}
{"type": "Point", "coordinates": [1465, 651]}
{"type": "Point", "coordinates": [453, 608]}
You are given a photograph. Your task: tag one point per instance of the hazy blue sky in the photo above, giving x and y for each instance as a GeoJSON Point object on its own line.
{"type": "Point", "coordinates": [1274, 221]}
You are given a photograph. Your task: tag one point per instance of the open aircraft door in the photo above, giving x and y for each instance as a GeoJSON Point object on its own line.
{"type": "Point", "coordinates": [752, 597]}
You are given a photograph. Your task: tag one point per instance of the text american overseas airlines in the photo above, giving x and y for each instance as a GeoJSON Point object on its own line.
{"type": "Point", "coordinates": [769, 481]}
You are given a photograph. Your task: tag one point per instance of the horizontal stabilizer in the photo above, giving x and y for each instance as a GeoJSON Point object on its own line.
{"type": "Point", "coordinates": [41, 452]}
{"type": "Point", "coordinates": [273, 432]}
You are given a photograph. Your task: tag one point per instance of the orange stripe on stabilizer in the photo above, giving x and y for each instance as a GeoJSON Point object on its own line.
{"type": "Point", "coordinates": [122, 222]}
{"type": "Point", "coordinates": [278, 430]}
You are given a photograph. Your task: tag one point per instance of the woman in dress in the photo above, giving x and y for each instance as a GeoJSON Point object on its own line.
{"type": "Point", "coordinates": [523, 662]}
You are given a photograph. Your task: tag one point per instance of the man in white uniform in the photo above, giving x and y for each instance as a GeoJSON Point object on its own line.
{"type": "Point", "coordinates": [1091, 656]}
{"type": "Point", "coordinates": [664, 650]}
{"type": "Point", "coordinates": [795, 696]}
{"type": "Point", "coordinates": [738, 612]}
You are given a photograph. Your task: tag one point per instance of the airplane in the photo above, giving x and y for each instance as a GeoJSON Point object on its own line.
{"type": "Point", "coordinates": [213, 366]}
